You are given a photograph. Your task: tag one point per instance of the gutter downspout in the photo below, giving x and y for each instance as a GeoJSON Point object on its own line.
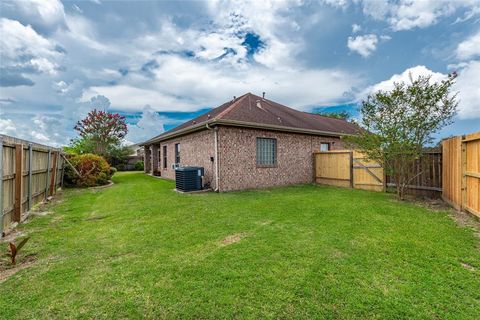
{"type": "Point", "coordinates": [215, 134]}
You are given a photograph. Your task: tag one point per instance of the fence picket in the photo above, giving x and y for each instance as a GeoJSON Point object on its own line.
{"type": "Point", "coordinates": [461, 174]}
{"type": "Point", "coordinates": [23, 168]}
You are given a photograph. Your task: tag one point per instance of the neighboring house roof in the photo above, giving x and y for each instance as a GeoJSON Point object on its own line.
{"type": "Point", "coordinates": [253, 111]}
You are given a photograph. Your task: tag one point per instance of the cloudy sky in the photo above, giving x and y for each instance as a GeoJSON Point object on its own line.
{"type": "Point", "coordinates": [161, 63]}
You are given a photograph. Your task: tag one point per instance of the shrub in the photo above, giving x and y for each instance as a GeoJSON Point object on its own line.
{"type": "Point", "coordinates": [120, 167]}
{"type": "Point", "coordinates": [139, 166]}
{"type": "Point", "coordinates": [91, 170]}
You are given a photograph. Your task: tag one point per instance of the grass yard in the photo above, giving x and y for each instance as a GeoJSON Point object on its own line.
{"type": "Point", "coordinates": [139, 250]}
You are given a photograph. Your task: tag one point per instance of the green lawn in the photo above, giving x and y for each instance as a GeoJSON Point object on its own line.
{"type": "Point", "coordinates": [139, 250]}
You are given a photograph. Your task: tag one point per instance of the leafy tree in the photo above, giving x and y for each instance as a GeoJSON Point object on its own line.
{"type": "Point", "coordinates": [344, 115]}
{"type": "Point", "coordinates": [80, 145]}
{"type": "Point", "coordinates": [400, 123]}
{"type": "Point", "coordinates": [116, 154]}
{"type": "Point", "coordinates": [103, 128]}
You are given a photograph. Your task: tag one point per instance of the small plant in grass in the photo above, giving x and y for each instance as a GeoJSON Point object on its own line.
{"type": "Point", "coordinates": [14, 249]}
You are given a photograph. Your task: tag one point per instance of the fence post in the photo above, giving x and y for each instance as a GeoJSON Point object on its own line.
{"type": "Point", "coordinates": [1, 187]}
{"type": "Point", "coordinates": [30, 162]}
{"type": "Point", "coordinates": [54, 173]}
{"type": "Point", "coordinates": [48, 174]}
{"type": "Point", "coordinates": [352, 184]}
{"type": "Point", "coordinates": [63, 173]}
{"type": "Point", "coordinates": [463, 166]}
{"type": "Point", "coordinates": [17, 213]}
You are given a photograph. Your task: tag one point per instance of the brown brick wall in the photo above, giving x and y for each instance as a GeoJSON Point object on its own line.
{"type": "Point", "coordinates": [237, 158]}
{"type": "Point", "coordinates": [195, 150]}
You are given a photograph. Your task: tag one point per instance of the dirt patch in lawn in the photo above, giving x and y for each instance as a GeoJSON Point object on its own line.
{"type": "Point", "coordinates": [463, 219]}
{"type": "Point", "coordinates": [467, 266]}
{"type": "Point", "coordinates": [7, 269]}
{"type": "Point", "coordinates": [233, 238]}
{"type": "Point", "coordinates": [466, 220]}
{"type": "Point", "coordinates": [431, 204]}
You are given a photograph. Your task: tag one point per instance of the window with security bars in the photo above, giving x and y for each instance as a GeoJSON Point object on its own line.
{"type": "Point", "coordinates": [177, 153]}
{"type": "Point", "coordinates": [165, 157]}
{"type": "Point", "coordinates": [266, 152]}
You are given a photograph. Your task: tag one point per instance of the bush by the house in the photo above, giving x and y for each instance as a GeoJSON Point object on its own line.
{"type": "Point", "coordinates": [139, 166]}
{"type": "Point", "coordinates": [91, 170]}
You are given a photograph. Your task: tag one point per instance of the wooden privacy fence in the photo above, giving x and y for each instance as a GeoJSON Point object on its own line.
{"type": "Point", "coordinates": [29, 173]}
{"type": "Point", "coordinates": [427, 173]}
{"type": "Point", "coordinates": [461, 172]}
{"type": "Point", "coordinates": [347, 168]}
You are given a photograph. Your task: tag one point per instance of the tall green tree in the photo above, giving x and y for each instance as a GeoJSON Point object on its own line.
{"type": "Point", "coordinates": [398, 124]}
{"type": "Point", "coordinates": [103, 128]}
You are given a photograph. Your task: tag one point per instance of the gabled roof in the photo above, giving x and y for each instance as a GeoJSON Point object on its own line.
{"type": "Point", "coordinates": [253, 111]}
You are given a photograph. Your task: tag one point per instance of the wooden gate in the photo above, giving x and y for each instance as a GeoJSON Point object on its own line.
{"type": "Point", "coordinates": [367, 175]}
{"type": "Point", "coordinates": [461, 172]}
{"type": "Point", "coordinates": [346, 168]}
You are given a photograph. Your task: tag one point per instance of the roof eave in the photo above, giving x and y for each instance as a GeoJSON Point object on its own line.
{"type": "Point", "coordinates": [166, 136]}
{"type": "Point", "coordinates": [254, 125]}
{"type": "Point", "coordinates": [243, 124]}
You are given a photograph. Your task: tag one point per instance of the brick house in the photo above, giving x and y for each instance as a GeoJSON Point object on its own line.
{"type": "Point", "coordinates": [249, 142]}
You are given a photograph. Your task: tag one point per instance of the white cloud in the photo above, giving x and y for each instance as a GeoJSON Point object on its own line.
{"type": "Point", "coordinates": [356, 28]}
{"type": "Point", "coordinates": [44, 14]}
{"type": "Point", "coordinates": [363, 45]}
{"type": "Point", "coordinates": [342, 4]}
{"type": "Point", "coordinates": [149, 125]}
{"type": "Point", "coordinates": [39, 128]}
{"type": "Point", "coordinates": [268, 19]}
{"type": "Point", "coordinates": [7, 126]}
{"type": "Point", "coordinates": [405, 76]}
{"type": "Point", "coordinates": [25, 50]}
{"type": "Point", "coordinates": [128, 97]}
{"type": "Point", "coordinates": [410, 14]}
{"type": "Point", "coordinates": [469, 91]}
{"type": "Point", "coordinates": [18, 39]}
{"type": "Point", "coordinates": [469, 48]}
{"type": "Point", "coordinates": [81, 30]}
{"type": "Point", "coordinates": [466, 85]}
{"type": "Point", "coordinates": [297, 87]}
{"type": "Point", "coordinates": [231, 22]}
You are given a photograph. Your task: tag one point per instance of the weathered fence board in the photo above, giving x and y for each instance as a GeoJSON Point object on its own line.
{"type": "Point", "coordinates": [24, 178]}
{"type": "Point", "coordinates": [427, 173]}
{"type": "Point", "coordinates": [461, 173]}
